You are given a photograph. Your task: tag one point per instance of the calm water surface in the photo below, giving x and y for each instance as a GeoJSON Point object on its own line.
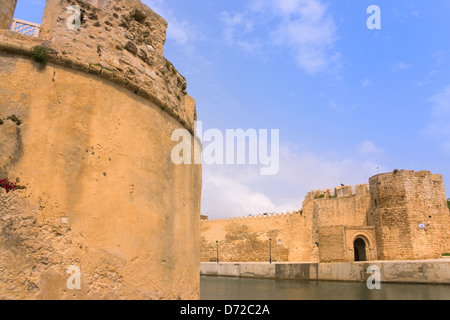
{"type": "Point", "coordinates": [223, 288]}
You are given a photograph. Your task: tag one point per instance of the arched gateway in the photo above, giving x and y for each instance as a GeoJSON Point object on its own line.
{"type": "Point", "coordinates": [359, 247]}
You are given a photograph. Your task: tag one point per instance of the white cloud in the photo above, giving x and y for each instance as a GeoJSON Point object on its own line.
{"type": "Point", "coordinates": [365, 83]}
{"type": "Point", "coordinates": [400, 66]}
{"type": "Point", "coordinates": [235, 191]}
{"type": "Point", "coordinates": [426, 80]}
{"type": "Point", "coordinates": [302, 26]}
{"type": "Point", "coordinates": [439, 128]}
{"type": "Point", "coordinates": [368, 148]}
{"type": "Point", "coordinates": [236, 27]}
{"type": "Point", "coordinates": [181, 31]}
{"type": "Point", "coordinates": [438, 56]}
{"type": "Point", "coordinates": [309, 9]}
{"type": "Point", "coordinates": [415, 13]}
{"type": "Point", "coordinates": [441, 103]}
{"type": "Point", "coordinates": [340, 107]}
{"type": "Point", "coordinates": [234, 21]}
{"type": "Point", "coordinates": [226, 196]}
{"type": "Point", "coordinates": [308, 30]}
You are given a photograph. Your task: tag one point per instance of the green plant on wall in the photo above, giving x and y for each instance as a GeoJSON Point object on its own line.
{"type": "Point", "coordinates": [40, 55]}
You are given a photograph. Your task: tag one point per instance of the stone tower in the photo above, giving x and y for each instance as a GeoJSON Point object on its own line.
{"type": "Point", "coordinates": [410, 214]}
{"type": "Point", "coordinates": [97, 104]}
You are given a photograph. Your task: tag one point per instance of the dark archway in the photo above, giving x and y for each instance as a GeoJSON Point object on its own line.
{"type": "Point", "coordinates": [360, 250]}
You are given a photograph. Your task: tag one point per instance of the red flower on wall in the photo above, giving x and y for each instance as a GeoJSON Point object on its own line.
{"type": "Point", "coordinates": [10, 186]}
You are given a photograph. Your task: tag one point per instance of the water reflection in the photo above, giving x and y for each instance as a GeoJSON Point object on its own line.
{"type": "Point", "coordinates": [222, 288]}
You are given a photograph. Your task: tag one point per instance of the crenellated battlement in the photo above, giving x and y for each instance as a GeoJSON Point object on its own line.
{"type": "Point", "coordinates": [256, 218]}
{"type": "Point", "coordinates": [399, 215]}
{"type": "Point", "coordinates": [339, 192]}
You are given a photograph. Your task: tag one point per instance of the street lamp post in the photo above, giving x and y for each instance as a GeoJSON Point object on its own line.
{"type": "Point", "coordinates": [217, 244]}
{"type": "Point", "coordinates": [280, 242]}
{"type": "Point", "coordinates": [270, 249]}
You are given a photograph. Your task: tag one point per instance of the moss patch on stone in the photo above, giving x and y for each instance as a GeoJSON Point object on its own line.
{"type": "Point", "coordinates": [40, 55]}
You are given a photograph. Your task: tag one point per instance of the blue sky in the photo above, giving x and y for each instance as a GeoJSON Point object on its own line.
{"type": "Point", "coordinates": [347, 100]}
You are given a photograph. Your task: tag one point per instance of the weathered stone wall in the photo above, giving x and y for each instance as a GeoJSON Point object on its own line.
{"type": "Point", "coordinates": [94, 152]}
{"type": "Point", "coordinates": [342, 208]}
{"type": "Point", "coordinates": [247, 239]}
{"type": "Point", "coordinates": [400, 202]}
{"type": "Point", "coordinates": [7, 8]}
{"type": "Point", "coordinates": [386, 218]}
{"type": "Point", "coordinates": [119, 37]}
{"type": "Point", "coordinates": [365, 233]}
{"type": "Point", "coordinates": [337, 243]}
{"type": "Point", "coordinates": [332, 244]}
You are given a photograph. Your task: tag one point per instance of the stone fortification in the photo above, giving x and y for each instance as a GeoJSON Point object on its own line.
{"type": "Point", "coordinates": [410, 214]}
{"type": "Point", "coordinates": [346, 206]}
{"type": "Point", "coordinates": [97, 107]}
{"type": "Point", "coordinates": [248, 238]}
{"type": "Point", "coordinates": [312, 234]}
{"type": "Point", "coordinates": [399, 215]}
{"type": "Point", "coordinates": [123, 41]}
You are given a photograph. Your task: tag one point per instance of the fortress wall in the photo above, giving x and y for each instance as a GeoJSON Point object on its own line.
{"type": "Point", "coordinates": [332, 244]}
{"type": "Point", "coordinates": [102, 192]}
{"type": "Point", "coordinates": [337, 243]}
{"type": "Point", "coordinates": [388, 214]}
{"type": "Point", "coordinates": [428, 205]}
{"type": "Point", "coordinates": [305, 245]}
{"type": "Point", "coordinates": [400, 202]}
{"type": "Point", "coordinates": [386, 217]}
{"type": "Point", "coordinates": [247, 239]}
{"type": "Point", "coordinates": [98, 156]}
{"type": "Point", "coordinates": [345, 208]}
{"type": "Point", "coordinates": [7, 8]}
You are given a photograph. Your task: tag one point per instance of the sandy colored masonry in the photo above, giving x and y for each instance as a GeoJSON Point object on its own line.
{"type": "Point", "coordinates": [94, 151]}
{"type": "Point", "coordinates": [400, 215]}
{"type": "Point", "coordinates": [7, 8]}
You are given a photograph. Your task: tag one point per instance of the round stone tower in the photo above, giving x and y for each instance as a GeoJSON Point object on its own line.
{"type": "Point", "coordinates": [410, 214]}
{"type": "Point", "coordinates": [88, 111]}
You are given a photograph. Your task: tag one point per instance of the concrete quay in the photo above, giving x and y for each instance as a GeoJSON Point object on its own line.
{"type": "Point", "coordinates": [421, 271]}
